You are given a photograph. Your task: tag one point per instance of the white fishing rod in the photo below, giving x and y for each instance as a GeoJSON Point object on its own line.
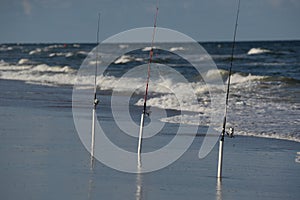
{"type": "Point", "coordinates": [230, 133]}
{"type": "Point", "coordinates": [95, 100]}
{"type": "Point", "coordinates": [147, 86]}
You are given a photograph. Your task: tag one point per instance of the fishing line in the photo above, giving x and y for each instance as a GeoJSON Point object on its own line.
{"type": "Point", "coordinates": [147, 85]}
{"type": "Point", "coordinates": [150, 60]}
{"type": "Point", "coordinates": [220, 162]}
{"type": "Point", "coordinates": [95, 101]}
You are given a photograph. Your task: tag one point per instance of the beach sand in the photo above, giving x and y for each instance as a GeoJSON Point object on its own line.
{"type": "Point", "coordinates": [42, 157]}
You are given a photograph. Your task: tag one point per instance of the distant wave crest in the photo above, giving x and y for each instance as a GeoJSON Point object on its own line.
{"type": "Point", "coordinates": [254, 51]}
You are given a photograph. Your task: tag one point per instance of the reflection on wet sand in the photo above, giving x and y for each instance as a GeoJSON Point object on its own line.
{"type": "Point", "coordinates": [91, 179]}
{"type": "Point", "coordinates": [139, 187]}
{"type": "Point", "coordinates": [219, 190]}
{"type": "Point", "coordinates": [139, 184]}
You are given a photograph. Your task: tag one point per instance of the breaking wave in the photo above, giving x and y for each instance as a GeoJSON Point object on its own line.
{"type": "Point", "coordinates": [27, 71]}
{"type": "Point", "coordinates": [177, 49]}
{"type": "Point", "coordinates": [163, 98]}
{"type": "Point", "coordinates": [38, 74]}
{"type": "Point", "coordinates": [126, 59]}
{"type": "Point", "coordinates": [149, 48]}
{"type": "Point", "coordinates": [254, 51]}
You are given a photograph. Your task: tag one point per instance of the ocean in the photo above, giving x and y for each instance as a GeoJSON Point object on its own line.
{"type": "Point", "coordinates": [264, 96]}
{"type": "Point", "coordinates": [42, 155]}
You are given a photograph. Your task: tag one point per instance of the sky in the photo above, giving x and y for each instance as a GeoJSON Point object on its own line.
{"type": "Point", "coordinates": [69, 21]}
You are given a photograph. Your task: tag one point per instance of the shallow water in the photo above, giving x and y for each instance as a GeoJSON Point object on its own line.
{"type": "Point", "coordinates": [43, 158]}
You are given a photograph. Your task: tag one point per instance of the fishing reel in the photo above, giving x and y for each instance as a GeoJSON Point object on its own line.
{"type": "Point", "coordinates": [148, 112]}
{"type": "Point", "coordinates": [96, 101]}
{"type": "Point", "coordinates": [230, 133]}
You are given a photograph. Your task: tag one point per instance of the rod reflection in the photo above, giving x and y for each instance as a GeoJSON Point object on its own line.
{"type": "Point", "coordinates": [91, 184]}
{"type": "Point", "coordinates": [139, 184]}
{"type": "Point", "coordinates": [219, 190]}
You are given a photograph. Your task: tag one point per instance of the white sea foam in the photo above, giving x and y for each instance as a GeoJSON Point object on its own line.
{"type": "Point", "coordinates": [5, 48]}
{"type": "Point", "coordinates": [149, 48]}
{"type": "Point", "coordinates": [65, 75]}
{"type": "Point", "coordinates": [62, 75]}
{"type": "Point", "coordinates": [36, 51]}
{"type": "Point", "coordinates": [203, 120]}
{"type": "Point", "coordinates": [25, 67]}
{"type": "Point", "coordinates": [23, 61]}
{"type": "Point", "coordinates": [52, 54]}
{"type": "Point", "coordinates": [124, 59]}
{"type": "Point", "coordinates": [176, 49]}
{"type": "Point", "coordinates": [49, 49]}
{"type": "Point", "coordinates": [215, 73]}
{"type": "Point", "coordinates": [46, 68]}
{"type": "Point", "coordinates": [82, 53]}
{"type": "Point", "coordinates": [94, 62]}
{"type": "Point", "coordinates": [123, 46]}
{"type": "Point", "coordinates": [13, 69]}
{"type": "Point", "coordinates": [40, 74]}
{"type": "Point", "coordinates": [30, 72]}
{"type": "Point", "coordinates": [68, 54]}
{"type": "Point", "coordinates": [238, 78]}
{"type": "Point", "coordinates": [257, 51]}
{"type": "Point", "coordinates": [290, 137]}
{"type": "Point", "coordinates": [257, 115]}
{"type": "Point", "coordinates": [170, 101]}
{"type": "Point", "coordinates": [54, 46]}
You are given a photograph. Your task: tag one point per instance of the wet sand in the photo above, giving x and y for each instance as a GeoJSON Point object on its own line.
{"type": "Point", "coordinates": [42, 157]}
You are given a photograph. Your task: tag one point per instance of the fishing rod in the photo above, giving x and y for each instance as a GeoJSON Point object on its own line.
{"type": "Point", "coordinates": [145, 112]}
{"type": "Point", "coordinates": [95, 100]}
{"type": "Point", "coordinates": [230, 133]}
